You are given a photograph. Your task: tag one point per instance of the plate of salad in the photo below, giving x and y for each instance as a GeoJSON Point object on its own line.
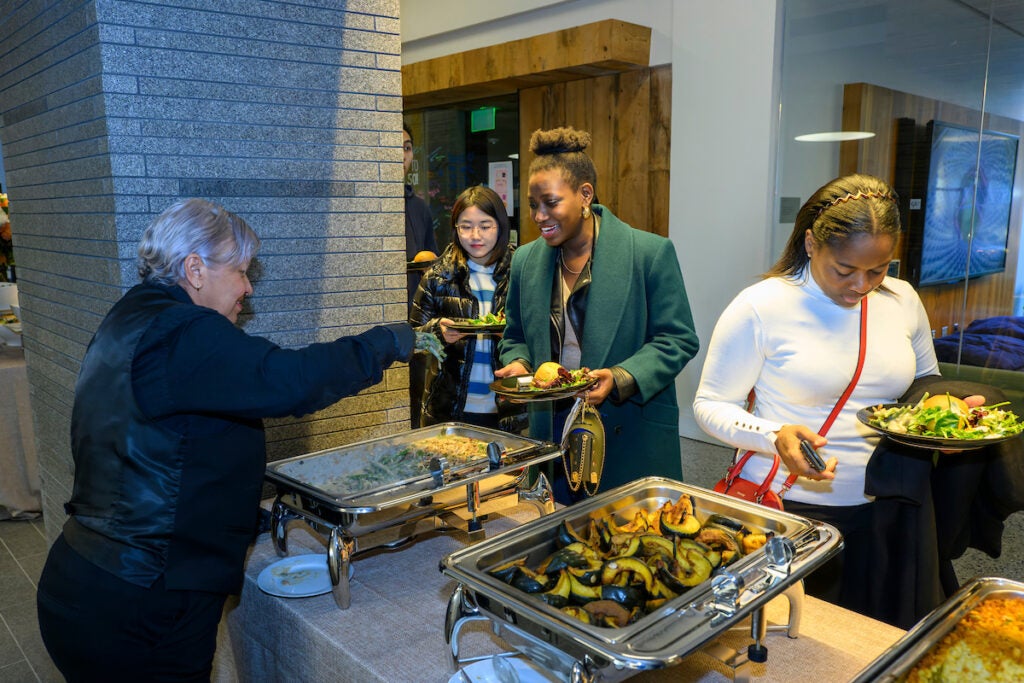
{"type": "Point", "coordinates": [549, 382]}
{"type": "Point", "coordinates": [485, 324]}
{"type": "Point", "coordinates": [943, 422]}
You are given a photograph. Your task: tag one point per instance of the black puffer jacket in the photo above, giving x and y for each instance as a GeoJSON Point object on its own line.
{"type": "Point", "coordinates": [444, 292]}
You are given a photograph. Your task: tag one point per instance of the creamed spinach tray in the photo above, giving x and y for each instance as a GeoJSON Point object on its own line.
{"type": "Point", "coordinates": [378, 473]}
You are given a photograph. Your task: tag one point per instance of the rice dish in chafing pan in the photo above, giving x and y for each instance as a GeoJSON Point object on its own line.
{"type": "Point", "coordinates": [987, 644]}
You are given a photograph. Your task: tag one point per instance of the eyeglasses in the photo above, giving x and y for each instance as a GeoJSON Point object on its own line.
{"type": "Point", "coordinates": [483, 228]}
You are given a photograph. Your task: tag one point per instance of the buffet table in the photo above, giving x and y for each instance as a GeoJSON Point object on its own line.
{"type": "Point", "coordinates": [19, 475]}
{"type": "Point", "coordinates": [394, 630]}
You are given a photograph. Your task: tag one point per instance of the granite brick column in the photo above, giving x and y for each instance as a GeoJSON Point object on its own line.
{"type": "Point", "coordinates": [289, 114]}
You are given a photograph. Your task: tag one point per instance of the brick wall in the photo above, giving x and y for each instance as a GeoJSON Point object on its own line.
{"type": "Point", "coordinates": [288, 114]}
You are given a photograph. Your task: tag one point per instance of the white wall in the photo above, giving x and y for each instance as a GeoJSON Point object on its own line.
{"type": "Point", "coordinates": [724, 130]}
{"type": "Point", "coordinates": [724, 120]}
{"type": "Point", "coordinates": [433, 28]}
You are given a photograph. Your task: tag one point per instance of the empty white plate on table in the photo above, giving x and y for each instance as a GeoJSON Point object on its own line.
{"type": "Point", "coordinates": [483, 672]}
{"type": "Point", "coordinates": [300, 576]}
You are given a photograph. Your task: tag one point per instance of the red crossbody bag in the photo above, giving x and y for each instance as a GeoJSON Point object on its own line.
{"type": "Point", "coordinates": [736, 486]}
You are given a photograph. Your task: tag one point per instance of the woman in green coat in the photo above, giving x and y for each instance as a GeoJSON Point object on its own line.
{"type": "Point", "coordinates": [597, 293]}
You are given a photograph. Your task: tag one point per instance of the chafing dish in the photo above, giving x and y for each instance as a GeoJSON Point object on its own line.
{"type": "Point", "coordinates": [899, 659]}
{"type": "Point", "coordinates": [328, 490]}
{"type": "Point", "coordinates": [580, 652]}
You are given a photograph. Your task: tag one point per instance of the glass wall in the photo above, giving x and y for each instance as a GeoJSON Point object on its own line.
{"type": "Point", "coordinates": [464, 144]}
{"type": "Point", "coordinates": [939, 85]}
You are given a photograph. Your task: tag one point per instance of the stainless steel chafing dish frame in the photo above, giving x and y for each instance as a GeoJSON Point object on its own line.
{"type": "Point", "coordinates": [448, 498]}
{"type": "Point", "coordinates": [581, 653]}
{"type": "Point", "coordinates": [898, 659]}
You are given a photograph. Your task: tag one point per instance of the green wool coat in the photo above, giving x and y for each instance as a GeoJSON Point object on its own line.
{"type": "Point", "coordinates": [638, 317]}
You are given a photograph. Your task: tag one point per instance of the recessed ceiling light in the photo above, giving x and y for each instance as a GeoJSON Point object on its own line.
{"type": "Point", "coordinates": [835, 136]}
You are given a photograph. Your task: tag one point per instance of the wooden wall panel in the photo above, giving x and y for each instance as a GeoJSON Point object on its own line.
{"type": "Point", "coordinates": [870, 107]}
{"type": "Point", "coordinates": [606, 46]}
{"type": "Point", "coordinates": [628, 115]}
{"type": "Point", "coordinates": [632, 149]}
{"type": "Point", "coordinates": [659, 150]}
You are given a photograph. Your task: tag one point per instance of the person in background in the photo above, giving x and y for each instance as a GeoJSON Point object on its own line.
{"type": "Point", "coordinates": [470, 280]}
{"type": "Point", "coordinates": [7, 273]}
{"type": "Point", "coordinates": [420, 244]}
{"type": "Point", "coordinates": [794, 338]}
{"type": "Point", "coordinates": [594, 292]}
{"type": "Point", "coordinates": [169, 453]}
{"type": "Point", "coordinates": [419, 226]}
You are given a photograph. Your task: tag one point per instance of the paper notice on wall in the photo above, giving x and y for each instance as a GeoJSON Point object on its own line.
{"type": "Point", "coordinates": [500, 180]}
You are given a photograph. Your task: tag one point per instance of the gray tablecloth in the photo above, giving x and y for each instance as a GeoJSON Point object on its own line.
{"type": "Point", "coordinates": [394, 630]}
{"type": "Point", "coordinates": [19, 474]}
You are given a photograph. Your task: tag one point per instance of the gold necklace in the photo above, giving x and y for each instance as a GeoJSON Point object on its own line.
{"type": "Point", "coordinates": [561, 260]}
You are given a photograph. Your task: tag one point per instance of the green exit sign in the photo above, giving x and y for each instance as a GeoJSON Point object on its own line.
{"type": "Point", "coordinates": [482, 119]}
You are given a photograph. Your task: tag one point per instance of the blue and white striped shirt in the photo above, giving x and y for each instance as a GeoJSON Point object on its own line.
{"type": "Point", "coordinates": [480, 399]}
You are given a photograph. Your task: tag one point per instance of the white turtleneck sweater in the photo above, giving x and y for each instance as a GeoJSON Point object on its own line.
{"type": "Point", "coordinates": [798, 349]}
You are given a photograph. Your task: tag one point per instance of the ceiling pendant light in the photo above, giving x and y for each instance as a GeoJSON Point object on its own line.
{"type": "Point", "coordinates": [835, 136]}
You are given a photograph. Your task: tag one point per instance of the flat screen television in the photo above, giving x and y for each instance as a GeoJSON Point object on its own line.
{"type": "Point", "coordinates": [954, 207]}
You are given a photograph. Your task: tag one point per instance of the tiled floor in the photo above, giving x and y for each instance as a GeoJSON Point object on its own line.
{"type": "Point", "coordinates": [23, 658]}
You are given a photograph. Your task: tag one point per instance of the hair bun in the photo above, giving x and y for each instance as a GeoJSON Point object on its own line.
{"type": "Point", "coordinates": [559, 141]}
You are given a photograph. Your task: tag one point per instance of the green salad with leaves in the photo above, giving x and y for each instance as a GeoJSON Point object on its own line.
{"type": "Point", "coordinates": [489, 319]}
{"type": "Point", "coordinates": [947, 417]}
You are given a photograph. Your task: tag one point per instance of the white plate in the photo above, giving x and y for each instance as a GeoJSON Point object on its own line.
{"type": "Point", "coordinates": [483, 672]}
{"type": "Point", "coordinates": [297, 577]}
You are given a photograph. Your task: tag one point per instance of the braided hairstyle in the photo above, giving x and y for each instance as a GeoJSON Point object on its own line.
{"type": "Point", "coordinates": [851, 205]}
{"type": "Point", "coordinates": [562, 149]}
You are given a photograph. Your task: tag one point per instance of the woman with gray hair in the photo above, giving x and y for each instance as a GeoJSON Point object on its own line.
{"type": "Point", "coordinates": [168, 444]}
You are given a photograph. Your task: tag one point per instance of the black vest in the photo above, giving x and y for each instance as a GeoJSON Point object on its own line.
{"type": "Point", "coordinates": [177, 496]}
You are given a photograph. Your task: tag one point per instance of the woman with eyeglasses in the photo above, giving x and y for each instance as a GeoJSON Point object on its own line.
{"type": "Point", "coordinates": [469, 280]}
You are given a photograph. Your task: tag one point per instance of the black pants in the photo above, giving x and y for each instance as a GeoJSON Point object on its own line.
{"type": "Point", "coordinates": [847, 579]}
{"type": "Point", "coordinates": [98, 627]}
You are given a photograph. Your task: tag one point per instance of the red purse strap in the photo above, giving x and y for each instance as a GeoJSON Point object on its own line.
{"type": "Point", "coordinates": [737, 467]}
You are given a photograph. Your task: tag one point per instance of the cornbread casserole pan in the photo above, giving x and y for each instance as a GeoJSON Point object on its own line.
{"type": "Point", "coordinates": [329, 490]}
{"type": "Point", "coordinates": [899, 659]}
{"type": "Point", "coordinates": [579, 652]}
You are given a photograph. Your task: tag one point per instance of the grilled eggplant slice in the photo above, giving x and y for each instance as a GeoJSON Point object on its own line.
{"type": "Point", "coordinates": [629, 596]}
{"type": "Point", "coordinates": [581, 593]}
{"type": "Point", "coordinates": [508, 570]}
{"type": "Point", "coordinates": [562, 559]}
{"type": "Point", "coordinates": [615, 569]}
{"type": "Point", "coordinates": [558, 596]}
{"type": "Point", "coordinates": [530, 581]}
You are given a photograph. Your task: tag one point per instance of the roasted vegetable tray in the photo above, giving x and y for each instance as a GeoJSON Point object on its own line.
{"type": "Point", "coordinates": [666, 632]}
{"type": "Point", "coordinates": [895, 663]}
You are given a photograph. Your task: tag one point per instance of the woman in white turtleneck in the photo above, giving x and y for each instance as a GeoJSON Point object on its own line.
{"type": "Point", "coordinates": [794, 338]}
